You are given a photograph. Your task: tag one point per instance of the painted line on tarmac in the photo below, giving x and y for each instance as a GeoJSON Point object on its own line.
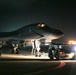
{"type": "Point", "coordinates": [59, 66]}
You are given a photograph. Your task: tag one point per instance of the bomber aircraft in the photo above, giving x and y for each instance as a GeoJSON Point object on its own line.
{"type": "Point", "coordinates": [33, 32]}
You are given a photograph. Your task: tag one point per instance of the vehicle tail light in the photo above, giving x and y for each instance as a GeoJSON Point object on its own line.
{"type": "Point", "coordinates": [61, 53]}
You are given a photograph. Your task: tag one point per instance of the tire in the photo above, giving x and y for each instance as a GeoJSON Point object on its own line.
{"type": "Point", "coordinates": [39, 55]}
{"type": "Point", "coordinates": [57, 58]}
{"type": "Point", "coordinates": [36, 55]}
{"type": "Point", "coordinates": [51, 57]}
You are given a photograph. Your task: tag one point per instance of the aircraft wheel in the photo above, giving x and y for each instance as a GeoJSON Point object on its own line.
{"type": "Point", "coordinates": [39, 55]}
{"type": "Point", "coordinates": [36, 55]}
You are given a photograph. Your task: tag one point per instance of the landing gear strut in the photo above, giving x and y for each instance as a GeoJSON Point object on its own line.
{"type": "Point", "coordinates": [15, 49]}
{"type": "Point", "coordinates": [36, 48]}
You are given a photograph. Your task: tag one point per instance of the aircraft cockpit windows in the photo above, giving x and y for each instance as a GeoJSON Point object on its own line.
{"type": "Point", "coordinates": [41, 25]}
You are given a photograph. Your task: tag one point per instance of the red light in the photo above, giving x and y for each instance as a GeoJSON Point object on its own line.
{"type": "Point", "coordinates": [61, 53]}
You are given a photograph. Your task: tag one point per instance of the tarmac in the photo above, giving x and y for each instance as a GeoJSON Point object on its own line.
{"type": "Point", "coordinates": [23, 56]}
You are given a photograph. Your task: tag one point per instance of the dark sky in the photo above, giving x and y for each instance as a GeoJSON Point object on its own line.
{"type": "Point", "coordinates": [58, 14]}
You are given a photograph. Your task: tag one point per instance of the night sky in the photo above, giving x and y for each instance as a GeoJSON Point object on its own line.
{"type": "Point", "coordinates": [58, 14]}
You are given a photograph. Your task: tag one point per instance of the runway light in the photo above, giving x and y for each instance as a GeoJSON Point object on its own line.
{"type": "Point", "coordinates": [72, 42]}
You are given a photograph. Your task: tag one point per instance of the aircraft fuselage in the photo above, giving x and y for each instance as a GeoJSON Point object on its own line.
{"type": "Point", "coordinates": [32, 31]}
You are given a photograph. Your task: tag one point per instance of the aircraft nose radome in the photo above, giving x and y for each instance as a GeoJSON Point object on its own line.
{"type": "Point", "coordinates": [59, 33]}
{"type": "Point", "coordinates": [55, 31]}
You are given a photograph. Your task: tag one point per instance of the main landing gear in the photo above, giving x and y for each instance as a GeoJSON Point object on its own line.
{"type": "Point", "coordinates": [36, 48]}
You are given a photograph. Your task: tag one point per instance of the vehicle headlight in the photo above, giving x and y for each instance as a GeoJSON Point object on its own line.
{"type": "Point", "coordinates": [72, 54]}
{"type": "Point", "coordinates": [74, 48]}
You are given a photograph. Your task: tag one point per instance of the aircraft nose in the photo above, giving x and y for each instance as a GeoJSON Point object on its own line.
{"type": "Point", "coordinates": [51, 31]}
{"type": "Point", "coordinates": [58, 33]}
{"type": "Point", "coordinates": [55, 32]}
